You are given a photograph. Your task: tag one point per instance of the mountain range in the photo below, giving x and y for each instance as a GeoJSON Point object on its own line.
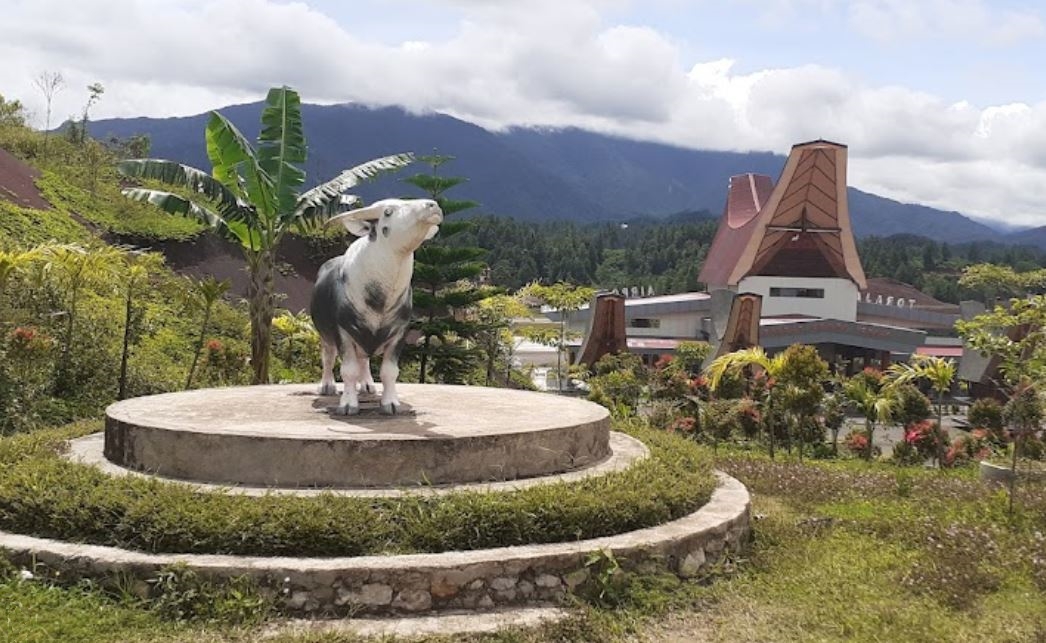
{"type": "Point", "coordinates": [538, 174]}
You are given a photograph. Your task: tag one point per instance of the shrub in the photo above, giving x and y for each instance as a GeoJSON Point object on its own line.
{"type": "Point", "coordinates": [975, 445]}
{"type": "Point", "coordinates": [905, 453]}
{"type": "Point", "coordinates": [44, 495]}
{"type": "Point", "coordinates": [856, 442]}
{"type": "Point", "coordinates": [986, 413]}
{"type": "Point", "coordinates": [912, 405]}
{"type": "Point", "coordinates": [925, 437]}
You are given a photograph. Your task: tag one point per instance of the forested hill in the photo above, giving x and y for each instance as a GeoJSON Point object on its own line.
{"type": "Point", "coordinates": [667, 254]}
{"type": "Point", "coordinates": [536, 174]}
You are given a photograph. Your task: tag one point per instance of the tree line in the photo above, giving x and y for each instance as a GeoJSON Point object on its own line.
{"type": "Point", "coordinates": [667, 255]}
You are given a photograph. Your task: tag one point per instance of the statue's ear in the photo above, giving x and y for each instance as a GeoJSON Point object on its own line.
{"type": "Point", "coordinates": [432, 232]}
{"type": "Point", "coordinates": [360, 221]}
{"type": "Point", "coordinates": [358, 228]}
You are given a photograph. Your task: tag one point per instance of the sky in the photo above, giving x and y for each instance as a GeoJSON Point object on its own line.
{"type": "Point", "coordinates": [941, 102]}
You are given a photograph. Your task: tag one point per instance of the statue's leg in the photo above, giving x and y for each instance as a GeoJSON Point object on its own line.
{"type": "Point", "coordinates": [328, 353]}
{"type": "Point", "coordinates": [367, 382]}
{"type": "Point", "coordinates": [390, 370]}
{"type": "Point", "coordinates": [350, 377]}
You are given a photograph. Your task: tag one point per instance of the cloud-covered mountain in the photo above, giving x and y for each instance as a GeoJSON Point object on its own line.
{"type": "Point", "coordinates": [536, 174]}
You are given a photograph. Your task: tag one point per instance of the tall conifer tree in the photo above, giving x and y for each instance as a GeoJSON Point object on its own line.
{"type": "Point", "coordinates": [445, 287]}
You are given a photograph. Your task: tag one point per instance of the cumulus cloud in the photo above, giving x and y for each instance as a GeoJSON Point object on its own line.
{"type": "Point", "coordinates": [551, 63]}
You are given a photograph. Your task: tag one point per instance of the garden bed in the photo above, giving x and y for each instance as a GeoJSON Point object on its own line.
{"type": "Point", "coordinates": [43, 495]}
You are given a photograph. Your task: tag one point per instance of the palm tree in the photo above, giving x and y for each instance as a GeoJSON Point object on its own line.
{"type": "Point", "coordinates": [204, 294]}
{"type": "Point", "coordinates": [939, 372]}
{"type": "Point", "coordinates": [253, 198]}
{"type": "Point", "coordinates": [139, 265]}
{"type": "Point", "coordinates": [754, 357]}
{"type": "Point", "coordinates": [77, 267]}
{"type": "Point", "coordinates": [875, 405]}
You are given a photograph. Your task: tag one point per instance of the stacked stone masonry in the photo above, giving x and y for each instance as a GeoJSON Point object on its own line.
{"type": "Point", "coordinates": [417, 583]}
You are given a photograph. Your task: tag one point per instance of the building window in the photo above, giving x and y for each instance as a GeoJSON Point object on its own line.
{"type": "Point", "coordinates": [806, 293]}
{"type": "Point", "coordinates": [644, 322]}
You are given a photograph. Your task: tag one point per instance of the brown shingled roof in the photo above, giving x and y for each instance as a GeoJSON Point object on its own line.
{"type": "Point", "coordinates": [800, 227]}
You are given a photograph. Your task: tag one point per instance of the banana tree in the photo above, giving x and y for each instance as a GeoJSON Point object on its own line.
{"type": "Point", "coordinates": [253, 197]}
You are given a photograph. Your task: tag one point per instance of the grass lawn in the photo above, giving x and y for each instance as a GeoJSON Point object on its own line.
{"type": "Point", "coordinates": [844, 551]}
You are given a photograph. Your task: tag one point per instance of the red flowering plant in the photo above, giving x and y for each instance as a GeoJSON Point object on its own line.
{"type": "Point", "coordinates": [686, 425]}
{"type": "Point", "coordinates": [26, 341]}
{"type": "Point", "coordinates": [856, 442]}
{"type": "Point", "coordinates": [224, 363]}
{"type": "Point", "coordinates": [925, 437]}
{"type": "Point", "coordinates": [668, 381]}
{"type": "Point", "coordinates": [968, 447]}
{"type": "Point", "coordinates": [26, 367]}
{"type": "Point", "coordinates": [749, 418]}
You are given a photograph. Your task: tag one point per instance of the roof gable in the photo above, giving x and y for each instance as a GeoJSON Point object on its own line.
{"type": "Point", "coordinates": [805, 222]}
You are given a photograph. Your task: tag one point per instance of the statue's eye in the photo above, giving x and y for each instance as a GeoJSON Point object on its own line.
{"type": "Point", "coordinates": [388, 212]}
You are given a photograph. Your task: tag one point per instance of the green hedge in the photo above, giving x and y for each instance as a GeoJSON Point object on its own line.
{"type": "Point", "coordinates": [43, 495]}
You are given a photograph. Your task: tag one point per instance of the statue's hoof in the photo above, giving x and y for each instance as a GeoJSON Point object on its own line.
{"type": "Point", "coordinates": [346, 410]}
{"type": "Point", "coordinates": [370, 388]}
{"type": "Point", "coordinates": [328, 389]}
{"type": "Point", "coordinates": [389, 409]}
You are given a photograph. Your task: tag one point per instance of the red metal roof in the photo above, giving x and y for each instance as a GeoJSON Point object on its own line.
{"type": "Point", "coordinates": [746, 195]}
{"type": "Point", "coordinates": [655, 343]}
{"type": "Point", "coordinates": [940, 351]}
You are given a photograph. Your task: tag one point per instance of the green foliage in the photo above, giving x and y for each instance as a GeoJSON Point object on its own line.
{"type": "Point", "coordinates": [617, 383]}
{"type": "Point", "coordinates": [912, 405]}
{"type": "Point", "coordinates": [71, 341]}
{"type": "Point", "coordinates": [180, 594]}
{"type": "Point", "coordinates": [446, 290]}
{"type": "Point", "coordinates": [1014, 334]}
{"type": "Point", "coordinates": [650, 252]}
{"type": "Point", "coordinates": [26, 226]}
{"type": "Point", "coordinates": [985, 413]}
{"type": "Point", "coordinates": [252, 197]}
{"type": "Point", "coordinates": [42, 494]}
{"type": "Point", "coordinates": [691, 355]}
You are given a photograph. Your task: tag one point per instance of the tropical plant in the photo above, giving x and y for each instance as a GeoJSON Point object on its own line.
{"type": "Point", "coordinates": [564, 298]}
{"type": "Point", "coordinates": [253, 198]}
{"type": "Point", "coordinates": [203, 295]}
{"type": "Point", "coordinates": [1024, 413]}
{"type": "Point", "coordinates": [139, 267]}
{"type": "Point", "coordinates": [874, 405]}
{"type": "Point", "coordinates": [12, 262]}
{"type": "Point", "coordinates": [752, 358]}
{"type": "Point", "coordinates": [939, 372]}
{"type": "Point", "coordinates": [495, 337]}
{"type": "Point", "coordinates": [800, 381]}
{"type": "Point", "coordinates": [76, 267]}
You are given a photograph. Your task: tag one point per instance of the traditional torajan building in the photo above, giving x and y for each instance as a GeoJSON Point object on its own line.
{"type": "Point", "coordinates": [790, 248]}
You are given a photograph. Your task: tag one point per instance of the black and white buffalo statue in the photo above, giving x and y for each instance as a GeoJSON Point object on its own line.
{"type": "Point", "coordinates": [361, 304]}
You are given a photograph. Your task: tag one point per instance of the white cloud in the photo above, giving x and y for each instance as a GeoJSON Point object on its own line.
{"type": "Point", "coordinates": [556, 64]}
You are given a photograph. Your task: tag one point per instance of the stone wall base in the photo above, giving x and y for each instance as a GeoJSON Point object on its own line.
{"type": "Point", "coordinates": [410, 584]}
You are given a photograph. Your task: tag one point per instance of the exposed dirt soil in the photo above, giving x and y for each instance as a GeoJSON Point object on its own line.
{"type": "Point", "coordinates": [209, 255]}
{"type": "Point", "coordinates": [18, 183]}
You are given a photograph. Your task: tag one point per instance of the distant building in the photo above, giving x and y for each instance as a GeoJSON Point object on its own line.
{"type": "Point", "coordinates": [792, 244]}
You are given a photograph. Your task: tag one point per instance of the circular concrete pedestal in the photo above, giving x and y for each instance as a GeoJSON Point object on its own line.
{"type": "Point", "coordinates": [286, 436]}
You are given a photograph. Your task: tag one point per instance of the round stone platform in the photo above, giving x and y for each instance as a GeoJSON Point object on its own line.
{"type": "Point", "coordinates": [285, 435]}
